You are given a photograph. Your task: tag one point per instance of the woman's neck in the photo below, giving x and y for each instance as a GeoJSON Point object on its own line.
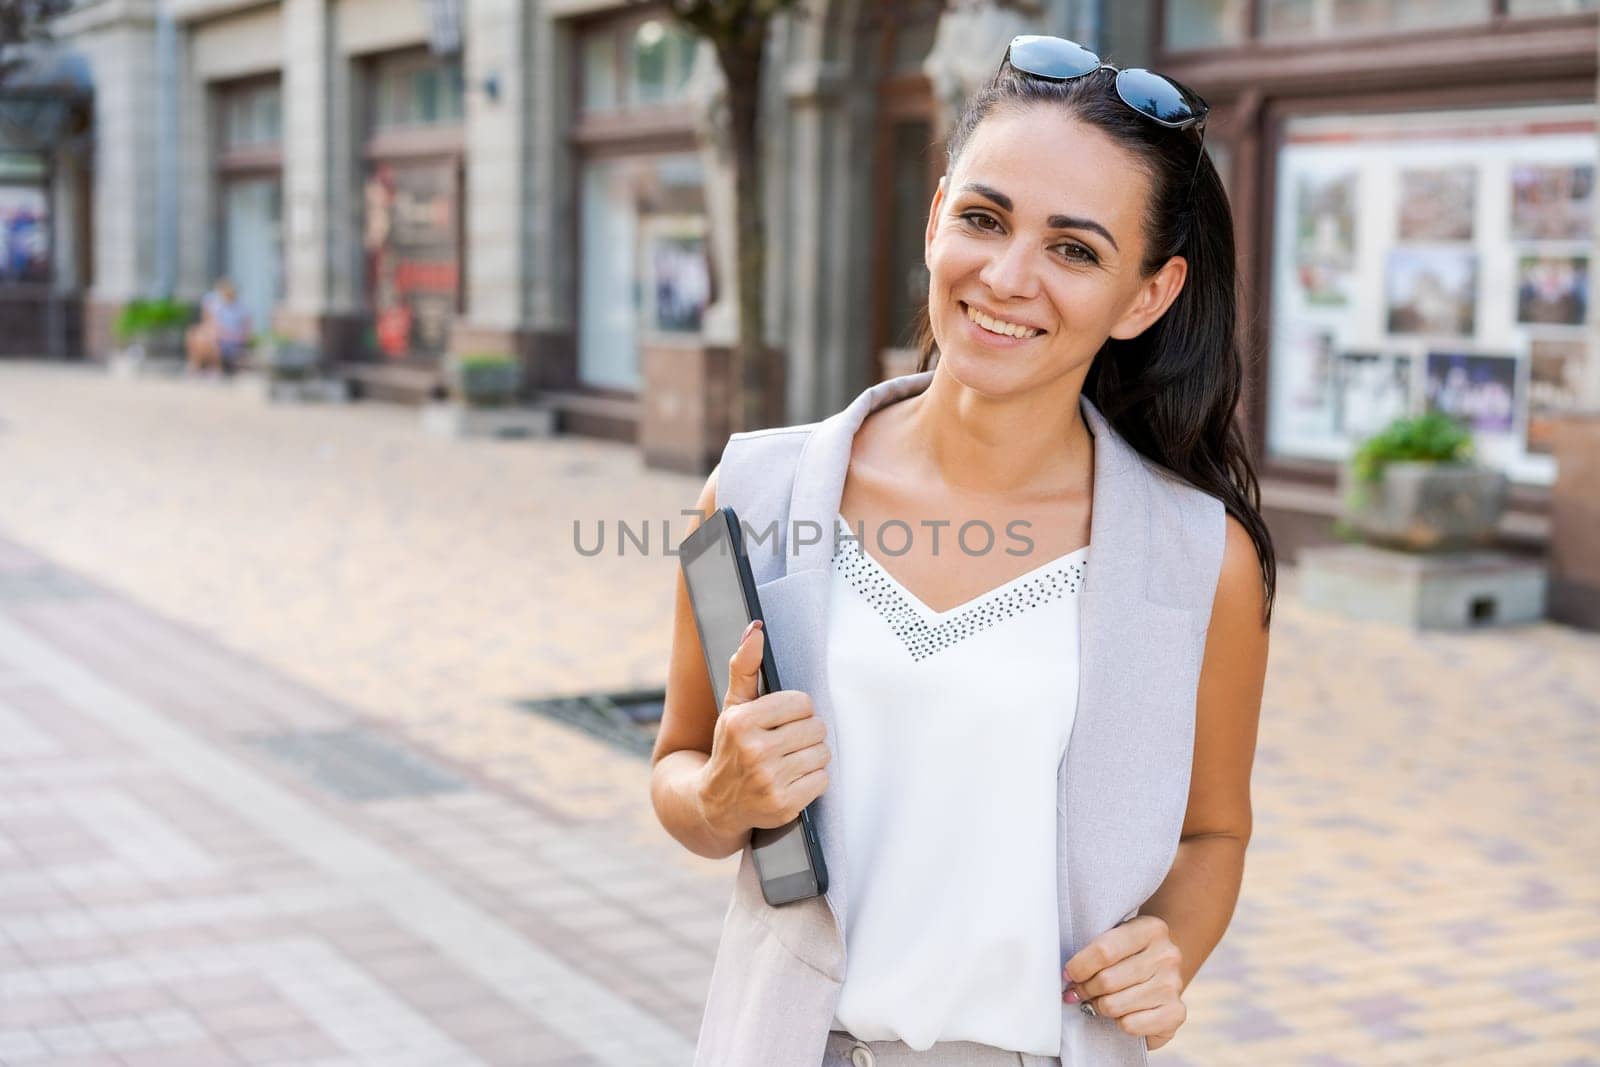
{"type": "Point", "coordinates": [1036, 443]}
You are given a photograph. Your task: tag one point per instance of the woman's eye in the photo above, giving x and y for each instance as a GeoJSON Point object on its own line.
{"type": "Point", "coordinates": [988, 224]}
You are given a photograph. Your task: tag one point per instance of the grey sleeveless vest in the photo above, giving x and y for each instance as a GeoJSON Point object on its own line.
{"type": "Point", "coordinates": [1154, 557]}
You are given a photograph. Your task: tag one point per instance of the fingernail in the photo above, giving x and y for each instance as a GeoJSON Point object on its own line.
{"type": "Point", "coordinates": [1071, 996]}
{"type": "Point", "coordinates": [748, 630]}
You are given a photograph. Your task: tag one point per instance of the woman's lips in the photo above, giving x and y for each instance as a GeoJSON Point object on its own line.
{"type": "Point", "coordinates": [986, 337]}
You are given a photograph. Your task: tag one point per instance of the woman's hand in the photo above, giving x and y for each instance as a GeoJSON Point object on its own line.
{"type": "Point", "coordinates": [769, 754]}
{"type": "Point", "coordinates": [1131, 974]}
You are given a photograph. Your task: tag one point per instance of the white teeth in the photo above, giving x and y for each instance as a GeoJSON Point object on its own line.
{"type": "Point", "coordinates": [1007, 329]}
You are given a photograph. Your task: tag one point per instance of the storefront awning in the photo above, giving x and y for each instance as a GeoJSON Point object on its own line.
{"type": "Point", "coordinates": [45, 103]}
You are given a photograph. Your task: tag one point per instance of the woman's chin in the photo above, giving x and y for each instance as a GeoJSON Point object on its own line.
{"type": "Point", "coordinates": [984, 375]}
{"type": "Point", "coordinates": [988, 372]}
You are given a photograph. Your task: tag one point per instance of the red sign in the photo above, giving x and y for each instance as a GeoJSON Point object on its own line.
{"type": "Point", "coordinates": [413, 273]}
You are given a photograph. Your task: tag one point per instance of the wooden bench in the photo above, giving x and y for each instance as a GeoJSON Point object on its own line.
{"type": "Point", "coordinates": [393, 382]}
{"type": "Point", "coordinates": [615, 418]}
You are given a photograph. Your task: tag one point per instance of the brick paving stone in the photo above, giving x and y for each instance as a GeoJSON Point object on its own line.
{"type": "Point", "coordinates": [64, 1039]}
{"type": "Point", "coordinates": [283, 1047]}
{"type": "Point", "coordinates": [186, 1054]}
{"type": "Point", "coordinates": [253, 1016]}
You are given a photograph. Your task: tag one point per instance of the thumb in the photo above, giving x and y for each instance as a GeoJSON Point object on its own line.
{"type": "Point", "coordinates": [744, 666]}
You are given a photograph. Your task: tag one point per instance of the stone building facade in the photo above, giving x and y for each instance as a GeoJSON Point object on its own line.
{"type": "Point", "coordinates": [240, 137]}
{"type": "Point", "coordinates": [398, 179]}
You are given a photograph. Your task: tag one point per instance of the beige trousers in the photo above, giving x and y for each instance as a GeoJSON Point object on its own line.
{"type": "Point", "coordinates": [844, 1050]}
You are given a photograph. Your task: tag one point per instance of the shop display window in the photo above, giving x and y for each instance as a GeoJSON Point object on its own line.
{"type": "Point", "coordinates": [1552, 7]}
{"type": "Point", "coordinates": [644, 270]}
{"type": "Point", "coordinates": [411, 241]}
{"type": "Point", "coordinates": [1206, 23]}
{"type": "Point", "coordinates": [1432, 261]}
{"type": "Point", "coordinates": [416, 90]}
{"type": "Point", "coordinates": [1195, 24]}
{"type": "Point", "coordinates": [1334, 18]}
{"type": "Point", "coordinates": [252, 115]}
{"type": "Point", "coordinates": [636, 63]}
{"type": "Point", "coordinates": [24, 222]}
{"type": "Point", "coordinates": [250, 193]}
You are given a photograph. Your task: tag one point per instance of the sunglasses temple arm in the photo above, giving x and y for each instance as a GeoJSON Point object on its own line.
{"type": "Point", "coordinates": [1198, 159]}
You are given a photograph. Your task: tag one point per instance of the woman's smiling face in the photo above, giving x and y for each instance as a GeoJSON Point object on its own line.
{"type": "Point", "coordinates": [1038, 234]}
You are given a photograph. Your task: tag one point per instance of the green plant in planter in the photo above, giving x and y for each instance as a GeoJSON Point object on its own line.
{"type": "Point", "coordinates": [145, 318]}
{"type": "Point", "coordinates": [485, 379]}
{"type": "Point", "coordinates": [1431, 438]}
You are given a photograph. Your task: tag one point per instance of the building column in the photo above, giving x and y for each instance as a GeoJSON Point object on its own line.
{"type": "Point", "coordinates": [966, 51]}
{"type": "Point", "coordinates": [322, 238]}
{"type": "Point", "coordinates": [1590, 386]}
{"type": "Point", "coordinates": [549, 228]}
{"type": "Point", "coordinates": [200, 223]}
{"type": "Point", "coordinates": [495, 42]}
{"type": "Point", "coordinates": [119, 43]}
{"type": "Point", "coordinates": [1574, 591]}
{"type": "Point", "coordinates": [308, 54]}
{"type": "Point", "coordinates": [829, 96]}
{"type": "Point", "coordinates": [707, 92]}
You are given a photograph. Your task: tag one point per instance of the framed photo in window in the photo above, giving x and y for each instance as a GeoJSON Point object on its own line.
{"type": "Point", "coordinates": [675, 274]}
{"type": "Point", "coordinates": [1552, 202]}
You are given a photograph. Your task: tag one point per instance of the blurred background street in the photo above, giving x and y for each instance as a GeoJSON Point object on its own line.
{"type": "Point", "coordinates": [265, 795]}
{"type": "Point", "coordinates": [330, 328]}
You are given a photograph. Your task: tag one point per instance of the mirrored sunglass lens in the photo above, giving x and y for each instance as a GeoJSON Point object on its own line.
{"type": "Point", "coordinates": [1052, 57]}
{"type": "Point", "coordinates": [1154, 95]}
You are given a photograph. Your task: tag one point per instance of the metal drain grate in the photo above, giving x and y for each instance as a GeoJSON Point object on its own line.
{"type": "Point", "coordinates": [628, 720]}
{"type": "Point", "coordinates": [357, 765]}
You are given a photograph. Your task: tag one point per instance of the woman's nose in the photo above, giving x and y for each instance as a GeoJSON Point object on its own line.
{"type": "Point", "coordinates": [1010, 273]}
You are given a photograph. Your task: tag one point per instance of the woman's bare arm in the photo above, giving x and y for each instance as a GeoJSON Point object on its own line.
{"type": "Point", "coordinates": [688, 723]}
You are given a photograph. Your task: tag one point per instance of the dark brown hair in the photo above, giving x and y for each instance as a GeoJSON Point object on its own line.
{"type": "Point", "coordinates": [1172, 391]}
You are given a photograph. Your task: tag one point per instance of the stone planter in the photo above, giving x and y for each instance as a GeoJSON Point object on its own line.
{"type": "Point", "coordinates": [307, 390]}
{"type": "Point", "coordinates": [286, 361]}
{"type": "Point", "coordinates": [450, 419]}
{"type": "Point", "coordinates": [484, 385]}
{"type": "Point", "coordinates": [688, 389]}
{"type": "Point", "coordinates": [151, 353]}
{"type": "Point", "coordinates": [164, 344]}
{"type": "Point", "coordinates": [688, 396]}
{"type": "Point", "coordinates": [1424, 590]}
{"type": "Point", "coordinates": [133, 362]}
{"type": "Point", "coordinates": [1425, 506]}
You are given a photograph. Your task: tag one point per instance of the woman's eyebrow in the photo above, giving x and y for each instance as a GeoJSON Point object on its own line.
{"type": "Point", "coordinates": [1055, 222]}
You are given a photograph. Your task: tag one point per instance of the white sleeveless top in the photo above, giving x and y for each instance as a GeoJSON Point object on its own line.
{"type": "Point", "coordinates": [951, 728]}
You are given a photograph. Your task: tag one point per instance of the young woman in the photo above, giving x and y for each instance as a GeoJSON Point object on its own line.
{"type": "Point", "coordinates": [1016, 746]}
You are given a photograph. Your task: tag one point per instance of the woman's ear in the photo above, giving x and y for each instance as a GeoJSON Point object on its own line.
{"type": "Point", "coordinates": [1156, 294]}
{"type": "Point", "coordinates": [933, 220]}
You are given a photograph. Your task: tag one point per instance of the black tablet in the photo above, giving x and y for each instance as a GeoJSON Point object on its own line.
{"type": "Point", "coordinates": [722, 591]}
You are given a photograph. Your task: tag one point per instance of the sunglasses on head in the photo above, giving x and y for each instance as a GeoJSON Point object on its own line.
{"type": "Point", "coordinates": [1155, 96]}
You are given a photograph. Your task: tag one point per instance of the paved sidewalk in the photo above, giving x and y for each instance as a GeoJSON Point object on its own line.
{"type": "Point", "coordinates": [312, 773]}
{"type": "Point", "coordinates": [204, 863]}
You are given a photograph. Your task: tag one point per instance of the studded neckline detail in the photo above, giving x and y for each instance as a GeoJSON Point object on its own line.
{"type": "Point", "coordinates": [925, 631]}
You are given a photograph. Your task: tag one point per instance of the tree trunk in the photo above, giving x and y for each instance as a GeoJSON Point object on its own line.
{"type": "Point", "coordinates": [737, 29]}
{"type": "Point", "coordinates": [742, 67]}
